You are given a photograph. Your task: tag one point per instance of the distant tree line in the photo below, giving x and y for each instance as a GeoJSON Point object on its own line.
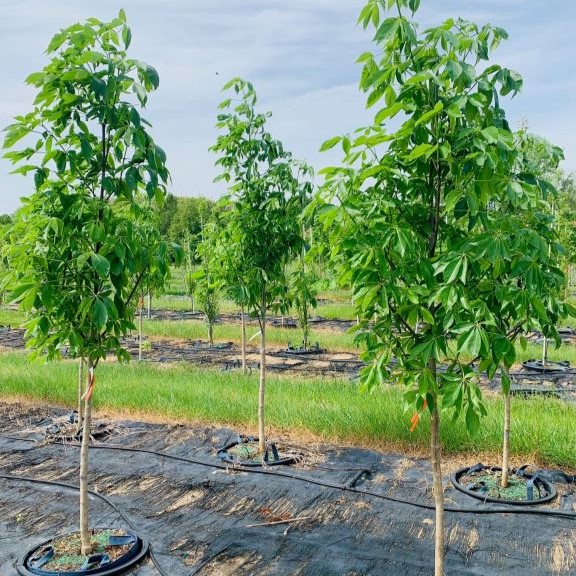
{"type": "Point", "coordinates": [182, 218]}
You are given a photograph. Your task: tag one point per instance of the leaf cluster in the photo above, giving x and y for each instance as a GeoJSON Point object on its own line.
{"type": "Point", "coordinates": [85, 241]}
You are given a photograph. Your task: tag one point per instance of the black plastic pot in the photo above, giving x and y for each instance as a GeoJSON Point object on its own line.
{"type": "Point", "coordinates": [201, 345]}
{"type": "Point", "coordinates": [304, 351]}
{"type": "Point", "coordinates": [271, 456]}
{"type": "Point", "coordinates": [97, 564]}
{"type": "Point", "coordinates": [532, 480]}
{"type": "Point", "coordinates": [288, 323]}
{"type": "Point", "coordinates": [548, 367]}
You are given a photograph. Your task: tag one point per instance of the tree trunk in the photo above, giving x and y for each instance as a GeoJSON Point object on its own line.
{"type": "Point", "coordinates": [86, 546]}
{"type": "Point", "coordinates": [210, 333]}
{"type": "Point", "coordinates": [545, 351]}
{"type": "Point", "coordinates": [436, 457]}
{"type": "Point", "coordinates": [262, 387]}
{"type": "Point", "coordinates": [140, 326]}
{"type": "Point", "coordinates": [192, 303]}
{"type": "Point", "coordinates": [305, 325]}
{"type": "Point", "coordinates": [506, 444]}
{"type": "Point", "coordinates": [80, 392]}
{"type": "Point", "coordinates": [243, 326]}
{"type": "Point", "coordinates": [149, 305]}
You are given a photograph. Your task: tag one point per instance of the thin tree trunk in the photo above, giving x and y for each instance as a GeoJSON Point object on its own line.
{"type": "Point", "coordinates": [140, 328]}
{"type": "Point", "coordinates": [436, 457]}
{"type": "Point", "coordinates": [80, 392]}
{"type": "Point", "coordinates": [506, 444]}
{"type": "Point", "coordinates": [192, 303]}
{"type": "Point", "coordinates": [262, 387]}
{"type": "Point", "coordinates": [305, 326]}
{"type": "Point", "coordinates": [149, 305]}
{"type": "Point", "coordinates": [243, 325]}
{"type": "Point", "coordinates": [210, 333]}
{"type": "Point", "coordinates": [545, 351]}
{"type": "Point", "coordinates": [86, 546]}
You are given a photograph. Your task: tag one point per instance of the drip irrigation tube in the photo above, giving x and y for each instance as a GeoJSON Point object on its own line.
{"type": "Point", "coordinates": [92, 493]}
{"type": "Point", "coordinates": [343, 487]}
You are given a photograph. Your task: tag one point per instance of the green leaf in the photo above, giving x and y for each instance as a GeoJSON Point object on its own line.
{"type": "Point", "coordinates": [388, 112]}
{"type": "Point", "coordinates": [101, 265]}
{"type": "Point", "coordinates": [97, 232]}
{"type": "Point", "coordinates": [15, 133]}
{"type": "Point", "coordinates": [539, 308]}
{"type": "Point", "coordinates": [454, 69]}
{"type": "Point", "coordinates": [152, 76]}
{"type": "Point", "coordinates": [90, 56]}
{"type": "Point", "coordinates": [430, 114]}
{"type": "Point", "coordinates": [56, 42]}
{"type": "Point", "coordinates": [470, 342]}
{"type": "Point", "coordinates": [36, 79]}
{"type": "Point", "coordinates": [126, 36]}
{"type": "Point", "coordinates": [135, 117]}
{"type": "Point", "coordinates": [330, 143]}
{"type": "Point", "coordinates": [20, 291]}
{"type": "Point", "coordinates": [422, 150]}
{"type": "Point", "coordinates": [100, 313]}
{"type": "Point", "coordinates": [140, 93]}
{"type": "Point", "coordinates": [491, 134]}
{"type": "Point", "coordinates": [39, 177]}
{"type": "Point", "coordinates": [472, 420]}
{"type": "Point", "coordinates": [387, 30]}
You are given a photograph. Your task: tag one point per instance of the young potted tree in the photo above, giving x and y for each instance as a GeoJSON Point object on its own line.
{"type": "Point", "coordinates": [260, 212]}
{"type": "Point", "coordinates": [441, 238]}
{"type": "Point", "coordinates": [80, 244]}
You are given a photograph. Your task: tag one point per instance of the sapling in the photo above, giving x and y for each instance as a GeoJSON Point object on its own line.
{"type": "Point", "coordinates": [261, 212]}
{"type": "Point", "coordinates": [444, 242]}
{"type": "Point", "coordinates": [82, 242]}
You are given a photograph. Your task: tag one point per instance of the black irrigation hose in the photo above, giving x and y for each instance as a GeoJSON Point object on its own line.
{"type": "Point", "coordinates": [343, 487]}
{"type": "Point", "coordinates": [92, 493]}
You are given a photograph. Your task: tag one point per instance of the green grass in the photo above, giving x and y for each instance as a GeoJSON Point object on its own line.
{"type": "Point", "coordinates": [335, 311]}
{"type": "Point", "coordinates": [542, 429]}
{"type": "Point", "coordinates": [10, 317]}
{"type": "Point", "coordinates": [195, 330]}
{"type": "Point", "coordinates": [181, 303]}
{"type": "Point", "coordinates": [565, 352]}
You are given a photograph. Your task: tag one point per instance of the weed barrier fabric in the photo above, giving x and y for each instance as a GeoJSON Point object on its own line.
{"type": "Point", "coordinates": [207, 520]}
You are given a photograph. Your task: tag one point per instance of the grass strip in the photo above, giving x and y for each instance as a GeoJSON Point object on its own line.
{"type": "Point", "coordinates": [543, 429]}
{"type": "Point", "coordinates": [196, 330]}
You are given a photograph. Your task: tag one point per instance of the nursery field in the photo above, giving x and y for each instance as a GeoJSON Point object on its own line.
{"type": "Point", "coordinates": [360, 480]}
{"type": "Point", "coordinates": [360, 369]}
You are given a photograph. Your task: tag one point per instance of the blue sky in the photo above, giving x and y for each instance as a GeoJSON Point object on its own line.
{"type": "Point", "coordinates": [299, 54]}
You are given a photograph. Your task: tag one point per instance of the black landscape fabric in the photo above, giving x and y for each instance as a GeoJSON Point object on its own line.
{"type": "Point", "coordinates": [208, 519]}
